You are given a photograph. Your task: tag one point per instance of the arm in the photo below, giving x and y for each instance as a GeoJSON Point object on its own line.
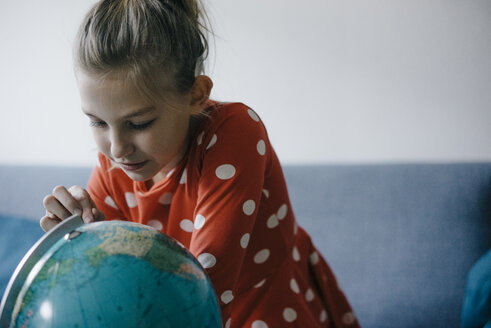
{"type": "Point", "coordinates": [229, 192]}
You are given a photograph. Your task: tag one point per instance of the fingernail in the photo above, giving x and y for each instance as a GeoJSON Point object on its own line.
{"type": "Point", "coordinates": [77, 211]}
{"type": "Point", "coordinates": [87, 219]}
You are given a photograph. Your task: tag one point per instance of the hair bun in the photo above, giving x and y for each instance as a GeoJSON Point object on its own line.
{"type": "Point", "coordinates": [146, 39]}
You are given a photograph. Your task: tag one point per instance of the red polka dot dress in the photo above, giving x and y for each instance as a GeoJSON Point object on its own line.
{"type": "Point", "coordinates": [227, 202]}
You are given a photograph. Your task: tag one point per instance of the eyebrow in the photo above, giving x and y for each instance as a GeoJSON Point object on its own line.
{"type": "Point", "coordinates": [138, 112]}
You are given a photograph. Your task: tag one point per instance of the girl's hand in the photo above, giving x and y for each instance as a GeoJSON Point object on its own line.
{"type": "Point", "coordinates": [63, 203]}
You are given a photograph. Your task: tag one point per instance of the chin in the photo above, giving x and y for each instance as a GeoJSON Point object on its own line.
{"type": "Point", "coordinates": [138, 176]}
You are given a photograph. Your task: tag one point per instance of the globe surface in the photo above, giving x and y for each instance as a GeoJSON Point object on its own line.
{"type": "Point", "coordinates": [116, 274]}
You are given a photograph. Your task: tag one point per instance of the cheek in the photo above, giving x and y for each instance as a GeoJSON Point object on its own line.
{"type": "Point", "coordinates": [152, 144]}
{"type": "Point", "coordinates": [101, 141]}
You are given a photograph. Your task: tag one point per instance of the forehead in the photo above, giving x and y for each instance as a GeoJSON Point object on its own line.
{"type": "Point", "coordinates": [111, 81]}
{"type": "Point", "coordinates": [109, 93]}
{"type": "Point", "coordinates": [153, 87]}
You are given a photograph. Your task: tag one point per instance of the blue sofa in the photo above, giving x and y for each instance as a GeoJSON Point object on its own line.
{"type": "Point", "coordinates": [400, 238]}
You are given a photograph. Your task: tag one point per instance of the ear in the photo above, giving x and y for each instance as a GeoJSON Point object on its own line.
{"type": "Point", "coordinates": [200, 93]}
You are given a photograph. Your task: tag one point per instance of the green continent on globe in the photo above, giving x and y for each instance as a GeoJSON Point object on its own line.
{"type": "Point", "coordinates": [116, 274]}
{"type": "Point", "coordinates": [127, 242]}
{"type": "Point", "coordinates": [143, 243]}
{"type": "Point", "coordinates": [52, 270]}
{"type": "Point", "coordinates": [163, 259]}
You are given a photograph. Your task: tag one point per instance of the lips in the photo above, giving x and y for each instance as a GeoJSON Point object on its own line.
{"type": "Point", "coordinates": [132, 166]}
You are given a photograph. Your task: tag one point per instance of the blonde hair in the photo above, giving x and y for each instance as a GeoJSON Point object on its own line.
{"type": "Point", "coordinates": [158, 45]}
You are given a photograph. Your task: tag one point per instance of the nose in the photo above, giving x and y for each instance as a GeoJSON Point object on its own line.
{"type": "Point", "coordinates": [121, 145]}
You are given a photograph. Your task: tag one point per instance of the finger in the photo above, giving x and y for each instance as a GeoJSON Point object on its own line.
{"type": "Point", "coordinates": [55, 208]}
{"type": "Point", "coordinates": [51, 215]}
{"type": "Point", "coordinates": [66, 199]}
{"type": "Point", "coordinates": [48, 223]}
{"type": "Point", "coordinates": [98, 215]}
{"type": "Point", "coordinates": [84, 200]}
{"type": "Point", "coordinates": [92, 203]}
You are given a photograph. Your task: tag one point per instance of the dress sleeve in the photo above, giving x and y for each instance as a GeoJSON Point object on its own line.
{"type": "Point", "coordinates": [99, 190]}
{"type": "Point", "coordinates": [229, 192]}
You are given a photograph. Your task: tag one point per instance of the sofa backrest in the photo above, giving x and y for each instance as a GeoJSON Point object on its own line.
{"type": "Point", "coordinates": [400, 238]}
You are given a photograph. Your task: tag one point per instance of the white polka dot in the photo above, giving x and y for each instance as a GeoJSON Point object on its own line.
{"type": "Point", "coordinates": [272, 221]}
{"type": "Point", "coordinates": [259, 324]}
{"type": "Point", "coordinates": [244, 241]}
{"type": "Point", "coordinates": [261, 256]}
{"type": "Point", "coordinates": [314, 258]}
{"type": "Point", "coordinates": [166, 198]}
{"type": "Point", "coordinates": [253, 115]}
{"type": "Point", "coordinates": [213, 141]}
{"type": "Point", "coordinates": [155, 224]}
{"type": "Point", "coordinates": [130, 199]}
{"type": "Point", "coordinates": [282, 211]}
{"type": "Point", "coordinates": [199, 221]}
{"type": "Point", "coordinates": [109, 201]}
{"type": "Point", "coordinates": [249, 207]}
{"type": "Point", "coordinates": [184, 177]}
{"type": "Point", "coordinates": [261, 147]}
{"type": "Point", "coordinates": [323, 316]}
{"type": "Point", "coordinates": [207, 260]}
{"type": "Point", "coordinates": [289, 314]}
{"type": "Point", "coordinates": [348, 318]}
{"type": "Point", "coordinates": [309, 295]}
{"type": "Point", "coordinates": [260, 284]}
{"type": "Point", "coordinates": [187, 225]}
{"type": "Point", "coordinates": [199, 140]}
{"type": "Point", "coordinates": [227, 296]}
{"type": "Point", "coordinates": [225, 171]}
{"type": "Point", "coordinates": [296, 254]}
{"type": "Point", "coordinates": [266, 193]}
{"type": "Point", "coordinates": [294, 286]}
{"type": "Point", "coordinates": [295, 228]}
{"type": "Point", "coordinates": [227, 324]}
{"type": "Point", "coordinates": [170, 173]}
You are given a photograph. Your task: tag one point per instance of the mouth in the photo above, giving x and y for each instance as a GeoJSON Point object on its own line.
{"type": "Point", "coordinates": [132, 166]}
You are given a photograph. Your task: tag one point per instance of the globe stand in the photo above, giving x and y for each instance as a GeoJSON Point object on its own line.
{"type": "Point", "coordinates": [63, 229]}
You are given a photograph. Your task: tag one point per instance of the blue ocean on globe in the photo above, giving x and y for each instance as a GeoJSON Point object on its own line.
{"type": "Point", "coordinates": [116, 274]}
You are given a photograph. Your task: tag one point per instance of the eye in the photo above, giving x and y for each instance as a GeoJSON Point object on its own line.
{"type": "Point", "coordinates": [140, 126]}
{"type": "Point", "coordinates": [97, 124]}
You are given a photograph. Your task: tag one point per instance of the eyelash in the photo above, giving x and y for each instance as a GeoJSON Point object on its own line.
{"type": "Point", "coordinates": [141, 126]}
{"type": "Point", "coordinates": [97, 124]}
{"type": "Point", "coordinates": [133, 126]}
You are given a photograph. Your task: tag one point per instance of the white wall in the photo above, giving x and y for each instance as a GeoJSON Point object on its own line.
{"type": "Point", "coordinates": [334, 81]}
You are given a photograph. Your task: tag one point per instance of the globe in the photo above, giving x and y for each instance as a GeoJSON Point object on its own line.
{"type": "Point", "coordinates": [113, 274]}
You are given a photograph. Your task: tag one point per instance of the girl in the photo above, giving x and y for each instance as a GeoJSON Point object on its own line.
{"type": "Point", "coordinates": [201, 171]}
